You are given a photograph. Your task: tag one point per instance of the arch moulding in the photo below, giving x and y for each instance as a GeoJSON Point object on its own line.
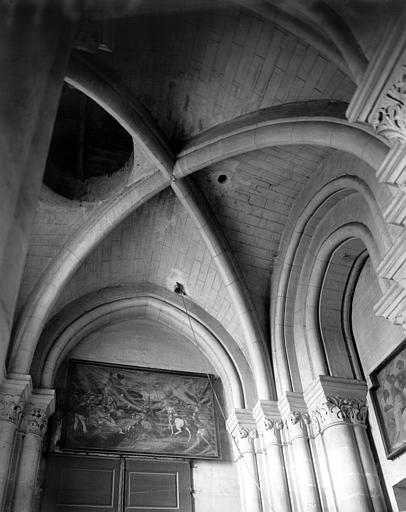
{"type": "Point", "coordinates": [152, 303]}
{"type": "Point", "coordinates": [301, 237]}
{"type": "Point", "coordinates": [311, 280]}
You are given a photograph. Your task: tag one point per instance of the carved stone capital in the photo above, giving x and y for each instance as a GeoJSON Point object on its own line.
{"type": "Point", "coordinates": [295, 416]}
{"type": "Point", "coordinates": [269, 422]}
{"type": "Point", "coordinates": [245, 433]}
{"type": "Point", "coordinates": [242, 426]}
{"type": "Point", "coordinates": [338, 409]}
{"type": "Point", "coordinates": [37, 411]}
{"type": "Point", "coordinates": [268, 418]}
{"type": "Point", "coordinates": [296, 425]}
{"type": "Point", "coordinates": [298, 418]}
{"type": "Point", "coordinates": [273, 425]}
{"type": "Point", "coordinates": [11, 407]}
{"type": "Point", "coordinates": [389, 119]}
{"type": "Point", "coordinates": [14, 392]}
{"type": "Point", "coordinates": [35, 421]}
{"type": "Point", "coordinates": [334, 400]}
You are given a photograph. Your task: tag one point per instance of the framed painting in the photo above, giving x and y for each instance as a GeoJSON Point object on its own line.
{"type": "Point", "coordinates": [389, 399]}
{"type": "Point", "coordinates": [137, 410]}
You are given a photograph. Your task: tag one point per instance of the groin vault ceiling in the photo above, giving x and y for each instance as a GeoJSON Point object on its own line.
{"type": "Point", "coordinates": [194, 68]}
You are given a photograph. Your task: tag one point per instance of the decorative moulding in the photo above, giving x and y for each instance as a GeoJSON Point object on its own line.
{"type": "Point", "coordinates": [389, 118]}
{"type": "Point", "coordinates": [380, 75]}
{"type": "Point", "coordinates": [395, 213]}
{"type": "Point", "coordinates": [392, 304]}
{"type": "Point", "coordinates": [393, 167]}
{"type": "Point", "coordinates": [393, 265]}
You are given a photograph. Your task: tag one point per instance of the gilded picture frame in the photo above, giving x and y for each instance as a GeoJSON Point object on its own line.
{"type": "Point", "coordinates": [117, 408]}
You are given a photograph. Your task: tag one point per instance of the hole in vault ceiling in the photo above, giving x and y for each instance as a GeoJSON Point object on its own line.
{"type": "Point", "coordinates": [222, 178]}
{"type": "Point", "coordinates": [87, 143]}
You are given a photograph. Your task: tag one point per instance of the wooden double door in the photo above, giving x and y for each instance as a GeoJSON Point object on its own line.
{"type": "Point", "coordinates": [116, 484]}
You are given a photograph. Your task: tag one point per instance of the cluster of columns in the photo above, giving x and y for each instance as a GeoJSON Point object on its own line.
{"type": "Point", "coordinates": [308, 451]}
{"type": "Point", "coordinates": [24, 416]}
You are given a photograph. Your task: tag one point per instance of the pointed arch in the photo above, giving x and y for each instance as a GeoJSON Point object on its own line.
{"type": "Point", "coordinates": [93, 311]}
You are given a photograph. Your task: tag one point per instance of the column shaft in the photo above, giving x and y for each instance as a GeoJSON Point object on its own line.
{"type": "Point", "coordinates": [280, 499]}
{"type": "Point", "coordinates": [339, 412]}
{"type": "Point", "coordinates": [305, 476]}
{"type": "Point", "coordinates": [7, 435]}
{"type": "Point", "coordinates": [242, 427]}
{"type": "Point", "coordinates": [14, 392]}
{"type": "Point", "coordinates": [270, 426]}
{"type": "Point", "coordinates": [34, 425]}
{"type": "Point", "coordinates": [296, 421]}
{"type": "Point", "coordinates": [350, 486]}
{"type": "Point", "coordinates": [371, 474]}
{"type": "Point", "coordinates": [248, 473]}
{"type": "Point", "coordinates": [28, 471]}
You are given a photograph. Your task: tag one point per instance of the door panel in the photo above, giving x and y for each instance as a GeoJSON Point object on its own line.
{"type": "Point", "coordinates": [152, 490]}
{"type": "Point", "coordinates": [82, 484]}
{"type": "Point", "coordinates": [157, 485]}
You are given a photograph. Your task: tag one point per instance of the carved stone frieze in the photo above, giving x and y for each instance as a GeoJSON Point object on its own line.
{"type": "Point", "coordinates": [335, 409]}
{"type": "Point", "coordinates": [11, 407]}
{"type": "Point", "coordinates": [35, 421]}
{"type": "Point", "coordinates": [390, 118]}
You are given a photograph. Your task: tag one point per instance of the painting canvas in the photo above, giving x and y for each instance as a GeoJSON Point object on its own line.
{"type": "Point", "coordinates": [136, 410]}
{"type": "Point", "coordinates": [389, 398]}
